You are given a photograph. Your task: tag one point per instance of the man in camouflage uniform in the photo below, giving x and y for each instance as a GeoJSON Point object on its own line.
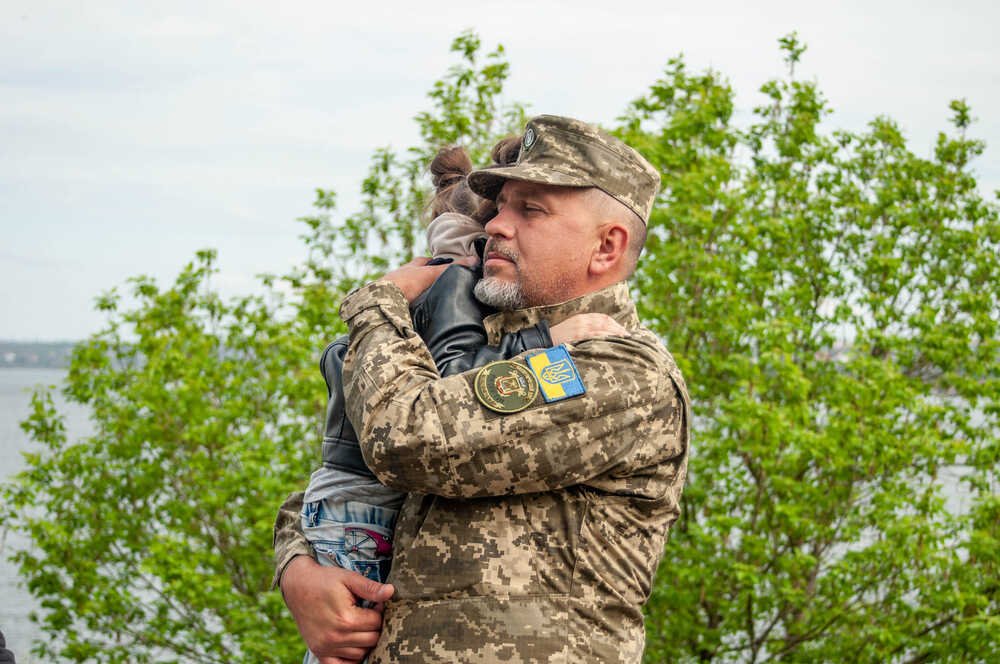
{"type": "Point", "coordinates": [542, 488]}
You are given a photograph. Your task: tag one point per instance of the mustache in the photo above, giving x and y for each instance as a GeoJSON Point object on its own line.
{"type": "Point", "coordinates": [496, 248]}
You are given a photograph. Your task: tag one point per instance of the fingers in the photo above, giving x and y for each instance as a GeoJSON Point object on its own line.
{"type": "Point", "coordinates": [366, 588]}
{"type": "Point", "coordinates": [415, 277]}
{"type": "Point", "coordinates": [346, 642]}
{"type": "Point", "coordinates": [346, 633]}
{"type": "Point", "coordinates": [597, 324]}
{"type": "Point", "coordinates": [323, 601]}
{"type": "Point", "coordinates": [339, 643]}
{"type": "Point", "coordinates": [612, 327]}
{"type": "Point", "coordinates": [586, 326]}
{"type": "Point", "coordinates": [468, 261]}
{"type": "Point", "coordinates": [361, 621]}
{"type": "Point", "coordinates": [349, 656]}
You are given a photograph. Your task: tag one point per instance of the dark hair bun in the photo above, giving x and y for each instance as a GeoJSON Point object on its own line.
{"type": "Point", "coordinates": [449, 167]}
{"type": "Point", "coordinates": [505, 152]}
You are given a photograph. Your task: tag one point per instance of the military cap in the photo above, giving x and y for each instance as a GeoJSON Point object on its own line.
{"type": "Point", "coordinates": [570, 153]}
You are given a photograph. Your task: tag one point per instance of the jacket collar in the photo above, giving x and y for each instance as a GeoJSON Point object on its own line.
{"type": "Point", "coordinates": [614, 301]}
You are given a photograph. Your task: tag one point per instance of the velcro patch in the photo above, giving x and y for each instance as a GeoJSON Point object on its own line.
{"type": "Point", "coordinates": [505, 386]}
{"type": "Point", "coordinates": [557, 375]}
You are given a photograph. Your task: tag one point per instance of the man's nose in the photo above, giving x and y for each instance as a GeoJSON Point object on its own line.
{"type": "Point", "coordinates": [501, 224]}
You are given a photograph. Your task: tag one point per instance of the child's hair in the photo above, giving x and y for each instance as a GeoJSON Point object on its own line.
{"type": "Point", "coordinates": [506, 150]}
{"type": "Point", "coordinates": [449, 170]}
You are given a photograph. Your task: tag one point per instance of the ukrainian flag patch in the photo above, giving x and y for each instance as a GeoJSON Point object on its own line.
{"type": "Point", "coordinates": [557, 376]}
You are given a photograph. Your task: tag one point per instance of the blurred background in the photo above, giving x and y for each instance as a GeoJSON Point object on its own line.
{"type": "Point", "coordinates": [133, 135]}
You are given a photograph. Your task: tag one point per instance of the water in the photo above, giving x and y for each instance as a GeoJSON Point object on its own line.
{"type": "Point", "coordinates": [15, 396]}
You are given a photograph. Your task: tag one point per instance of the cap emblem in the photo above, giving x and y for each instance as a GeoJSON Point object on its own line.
{"type": "Point", "coordinates": [529, 138]}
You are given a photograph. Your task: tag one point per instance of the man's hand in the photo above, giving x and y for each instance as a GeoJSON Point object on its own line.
{"type": "Point", "coordinates": [323, 602]}
{"type": "Point", "coordinates": [585, 326]}
{"type": "Point", "coordinates": [416, 276]}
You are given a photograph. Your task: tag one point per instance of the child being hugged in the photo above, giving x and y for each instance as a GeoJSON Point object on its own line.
{"type": "Point", "coordinates": [348, 516]}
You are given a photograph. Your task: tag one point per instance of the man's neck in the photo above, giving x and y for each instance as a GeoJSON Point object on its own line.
{"type": "Point", "coordinates": [613, 300]}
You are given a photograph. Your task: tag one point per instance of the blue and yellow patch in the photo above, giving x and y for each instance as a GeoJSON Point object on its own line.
{"type": "Point", "coordinates": [557, 376]}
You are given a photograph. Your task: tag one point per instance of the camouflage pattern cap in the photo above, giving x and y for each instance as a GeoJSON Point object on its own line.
{"type": "Point", "coordinates": [566, 152]}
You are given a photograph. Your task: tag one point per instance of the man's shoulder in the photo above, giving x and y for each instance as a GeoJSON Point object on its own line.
{"type": "Point", "coordinates": [658, 358]}
{"type": "Point", "coordinates": [637, 362]}
{"type": "Point", "coordinates": [657, 347]}
{"type": "Point", "coordinates": [641, 346]}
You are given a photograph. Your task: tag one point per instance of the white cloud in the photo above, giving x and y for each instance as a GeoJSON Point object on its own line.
{"type": "Point", "coordinates": [134, 135]}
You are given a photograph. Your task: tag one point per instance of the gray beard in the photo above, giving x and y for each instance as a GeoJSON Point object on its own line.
{"type": "Point", "coordinates": [502, 295]}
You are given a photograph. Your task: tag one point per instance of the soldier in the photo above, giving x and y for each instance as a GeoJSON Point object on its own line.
{"type": "Point", "coordinates": [348, 516]}
{"type": "Point", "coordinates": [540, 488]}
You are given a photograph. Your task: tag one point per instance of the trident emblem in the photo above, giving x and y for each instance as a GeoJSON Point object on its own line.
{"type": "Point", "coordinates": [560, 372]}
{"type": "Point", "coordinates": [509, 384]}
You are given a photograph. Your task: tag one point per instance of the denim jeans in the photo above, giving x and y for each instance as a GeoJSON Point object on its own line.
{"type": "Point", "coordinates": [352, 535]}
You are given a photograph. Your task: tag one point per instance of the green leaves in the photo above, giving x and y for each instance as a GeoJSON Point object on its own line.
{"type": "Point", "coordinates": [830, 296]}
{"type": "Point", "coordinates": [466, 105]}
{"type": "Point", "coordinates": [466, 110]}
{"type": "Point", "coordinates": [151, 538]}
{"type": "Point", "coordinates": [832, 300]}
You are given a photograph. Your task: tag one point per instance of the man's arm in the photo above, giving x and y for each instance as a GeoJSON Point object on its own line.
{"type": "Point", "coordinates": [288, 540]}
{"type": "Point", "coordinates": [324, 603]}
{"type": "Point", "coordinates": [423, 433]}
{"type": "Point", "coordinates": [323, 600]}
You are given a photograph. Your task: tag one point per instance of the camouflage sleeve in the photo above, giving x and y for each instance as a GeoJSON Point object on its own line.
{"type": "Point", "coordinates": [427, 434]}
{"type": "Point", "coordinates": [288, 539]}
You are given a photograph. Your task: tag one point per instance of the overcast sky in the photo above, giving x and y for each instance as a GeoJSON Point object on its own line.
{"type": "Point", "coordinates": [133, 134]}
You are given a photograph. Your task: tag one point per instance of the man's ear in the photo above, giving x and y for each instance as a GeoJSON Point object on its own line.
{"type": "Point", "coordinates": [610, 250]}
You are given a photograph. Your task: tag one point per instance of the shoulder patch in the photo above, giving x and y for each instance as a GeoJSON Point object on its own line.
{"type": "Point", "coordinates": [505, 386]}
{"type": "Point", "coordinates": [556, 373]}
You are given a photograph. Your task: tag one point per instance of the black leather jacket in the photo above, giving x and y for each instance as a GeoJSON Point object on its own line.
{"type": "Point", "coordinates": [450, 321]}
{"type": "Point", "coordinates": [6, 656]}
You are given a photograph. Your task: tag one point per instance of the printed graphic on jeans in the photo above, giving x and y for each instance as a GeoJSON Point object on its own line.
{"type": "Point", "coordinates": [352, 535]}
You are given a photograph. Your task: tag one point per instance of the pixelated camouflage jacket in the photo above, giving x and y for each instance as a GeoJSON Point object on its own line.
{"type": "Point", "coordinates": [530, 536]}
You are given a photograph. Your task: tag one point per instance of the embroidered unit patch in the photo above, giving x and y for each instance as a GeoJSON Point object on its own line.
{"type": "Point", "coordinates": [505, 386]}
{"type": "Point", "coordinates": [556, 373]}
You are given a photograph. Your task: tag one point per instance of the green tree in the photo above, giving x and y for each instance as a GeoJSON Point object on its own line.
{"type": "Point", "coordinates": [830, 295]}
{"type": "Point", "coordinates": [832, 299]}
{"type": "Point", "coordinates": [151, 537]}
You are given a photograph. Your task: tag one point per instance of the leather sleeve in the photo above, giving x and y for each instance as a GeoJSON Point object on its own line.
{"type": "Point", "coordinates": [449, 319]}
{"type": "Point", "coordinates": [340, 442]}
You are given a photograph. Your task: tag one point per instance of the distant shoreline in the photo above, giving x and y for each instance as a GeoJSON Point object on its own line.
{"type": "Point", "coordinates": [35, 354]}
